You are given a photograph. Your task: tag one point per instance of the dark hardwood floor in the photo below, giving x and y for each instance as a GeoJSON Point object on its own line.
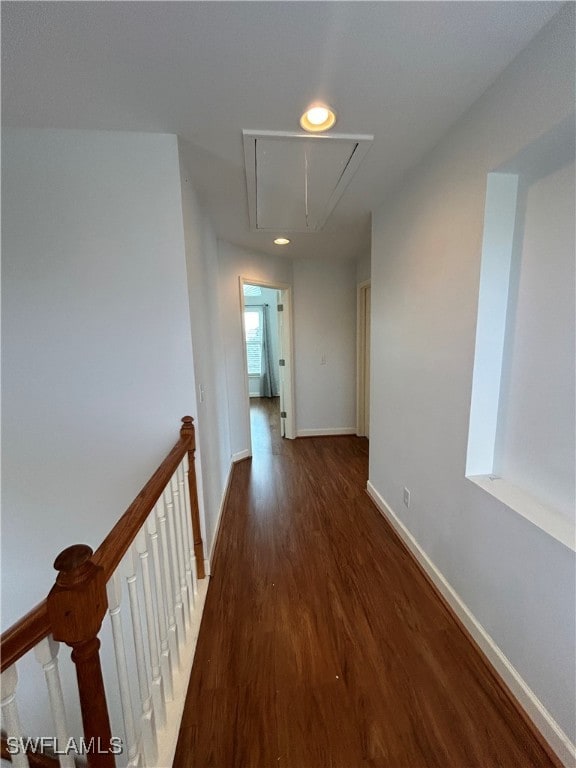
{"type": "Point", "coordinates": [322, 643]}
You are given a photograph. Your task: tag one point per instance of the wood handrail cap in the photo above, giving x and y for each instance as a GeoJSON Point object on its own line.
{"type": "Point", "coordinates": [187, 428]}
{"type": "Point", "coordinates": [72, 557]}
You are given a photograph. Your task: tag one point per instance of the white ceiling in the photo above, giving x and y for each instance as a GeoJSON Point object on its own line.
{"type": "Point", "coordinates": [403, 71]}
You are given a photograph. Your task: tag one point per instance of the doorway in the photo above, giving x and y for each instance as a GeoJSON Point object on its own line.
{"type": "Point", "coordinates": [363, 361]}
{"type": "Point", "coordinates": [267, 343]}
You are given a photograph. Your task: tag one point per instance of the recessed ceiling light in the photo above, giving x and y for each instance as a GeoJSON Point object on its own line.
{"type": "Point", "coordinates": [281, 241]}
{"type": "Point", "coordinates": [318, 118]}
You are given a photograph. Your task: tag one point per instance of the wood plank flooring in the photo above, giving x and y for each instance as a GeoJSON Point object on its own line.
{"type": "Point", "coordinates": [322, 643]}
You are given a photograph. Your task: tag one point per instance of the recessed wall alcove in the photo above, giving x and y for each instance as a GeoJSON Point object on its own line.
{"type": "Point", "coordinates": [521, 444]}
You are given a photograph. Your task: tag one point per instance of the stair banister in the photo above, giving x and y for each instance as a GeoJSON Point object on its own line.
{"type": "Point", "coordinates": [114, 547]}
{"type": "Point", "coordinates": [77, 603]}
{"type": "Point", "coordinates": [188, 431]}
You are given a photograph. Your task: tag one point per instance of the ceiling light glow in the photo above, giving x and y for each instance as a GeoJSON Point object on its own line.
{"type": "Point", "coordinates": [318, 118]}
{"type": "Point", "coordinates": [281, 241]}
{"type": "Point", "coordinates": [318, 115]}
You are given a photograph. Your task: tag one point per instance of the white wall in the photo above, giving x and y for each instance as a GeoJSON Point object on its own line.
{"type": "Point", "coordinates": [500, 214]}
{"type": "Point", "coordinates": [363, 267]}
{"type": "Point", "coordinates": [234, 263]}
{"type": "Point", "coordinates": [97, 358]}
{"type": "Point", "coordinates": [325, 329]}
{"type": "Point", "coordinates": [517, 581]}
{"type": "Point", "coordinates": [535, 448]}
{"type": "Point", "coordinates": [324, 319]}
{"type": "Point", "coordinates": [212, 428]}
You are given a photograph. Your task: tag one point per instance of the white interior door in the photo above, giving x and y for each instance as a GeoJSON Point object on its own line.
{"type": "Point", "coordinates": [287, 420]}
{"type": "Point", "coordinates": [282, 365]}
{"type": "Point", "coordinates": [367, 363]}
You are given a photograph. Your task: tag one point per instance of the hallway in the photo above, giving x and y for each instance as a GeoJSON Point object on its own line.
{"type": "Point", "coordinates": [322, 645]}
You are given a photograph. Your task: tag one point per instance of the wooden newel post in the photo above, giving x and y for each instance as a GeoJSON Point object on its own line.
{"type": "Point", "coordinates": [77, 604]}
{"type": "Point", "coordinates": [187, 431]}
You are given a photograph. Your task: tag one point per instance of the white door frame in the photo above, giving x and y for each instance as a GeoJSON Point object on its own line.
{"type": "Point", "coordinates": [362, 427]}
{"type": "Point", "coordinates": [288, 352]}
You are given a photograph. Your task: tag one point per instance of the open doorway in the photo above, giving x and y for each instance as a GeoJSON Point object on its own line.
{"type": "Point", "coordinates": [267, 337]}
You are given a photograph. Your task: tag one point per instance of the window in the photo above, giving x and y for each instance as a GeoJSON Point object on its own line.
{"type": "Point", "coordinates": [253, 325]}
{"type": "Point", "coordinates": [252, 290]}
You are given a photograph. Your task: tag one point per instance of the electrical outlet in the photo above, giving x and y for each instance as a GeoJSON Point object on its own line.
{"type": "Point", "coordinates": [406, 497]}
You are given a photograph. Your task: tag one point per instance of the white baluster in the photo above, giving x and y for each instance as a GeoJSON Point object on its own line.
{"type": "Point", "coordinates": [157, 686]}
{"type": "Point", "coordinates": [180, 546]}
{"type": "Point", "coordinates": [185, 535]}
{"type": "Point", "coordinates": [46, 653]}
{"type": "Point", "coordinates": [165, 660]}
{"type": "Point", "coordinates": [173, 560]}
{"type": "Point", "coordinates": [10, 716]}
{"type": "Point", "coordinates": [114, 589]}
{"type": "Point", "coordinates": [147, 718]}
{"type": "Point", "coordinates": [193, 564]}
{"type": "Point", "coordinates": [173, 639]}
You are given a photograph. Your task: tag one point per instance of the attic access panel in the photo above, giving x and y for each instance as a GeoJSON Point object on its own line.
{"type": "Point", "coordinates": [294, 180]}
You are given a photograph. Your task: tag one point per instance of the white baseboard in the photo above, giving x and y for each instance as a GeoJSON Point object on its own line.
{"type": "Point", "coordinates": [542, 719]}
{"type": "Point", "coordinates": [241, 455]}
{"type": "Point", "coordinates": [326, 432]}
{"type": "Point", "coordinates": [208, 561]}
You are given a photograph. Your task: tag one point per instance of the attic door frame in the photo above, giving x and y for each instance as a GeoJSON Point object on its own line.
{"type": "Point", "coordinates": [363, 143]}
{"type": "Point", "coordinates": [287, 351]}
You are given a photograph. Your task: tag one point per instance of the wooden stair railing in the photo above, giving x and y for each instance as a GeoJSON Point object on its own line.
{"type": "Point", "coordinates": [165, 516]}
{"type": "Point", "coordinates": [35, 759]}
